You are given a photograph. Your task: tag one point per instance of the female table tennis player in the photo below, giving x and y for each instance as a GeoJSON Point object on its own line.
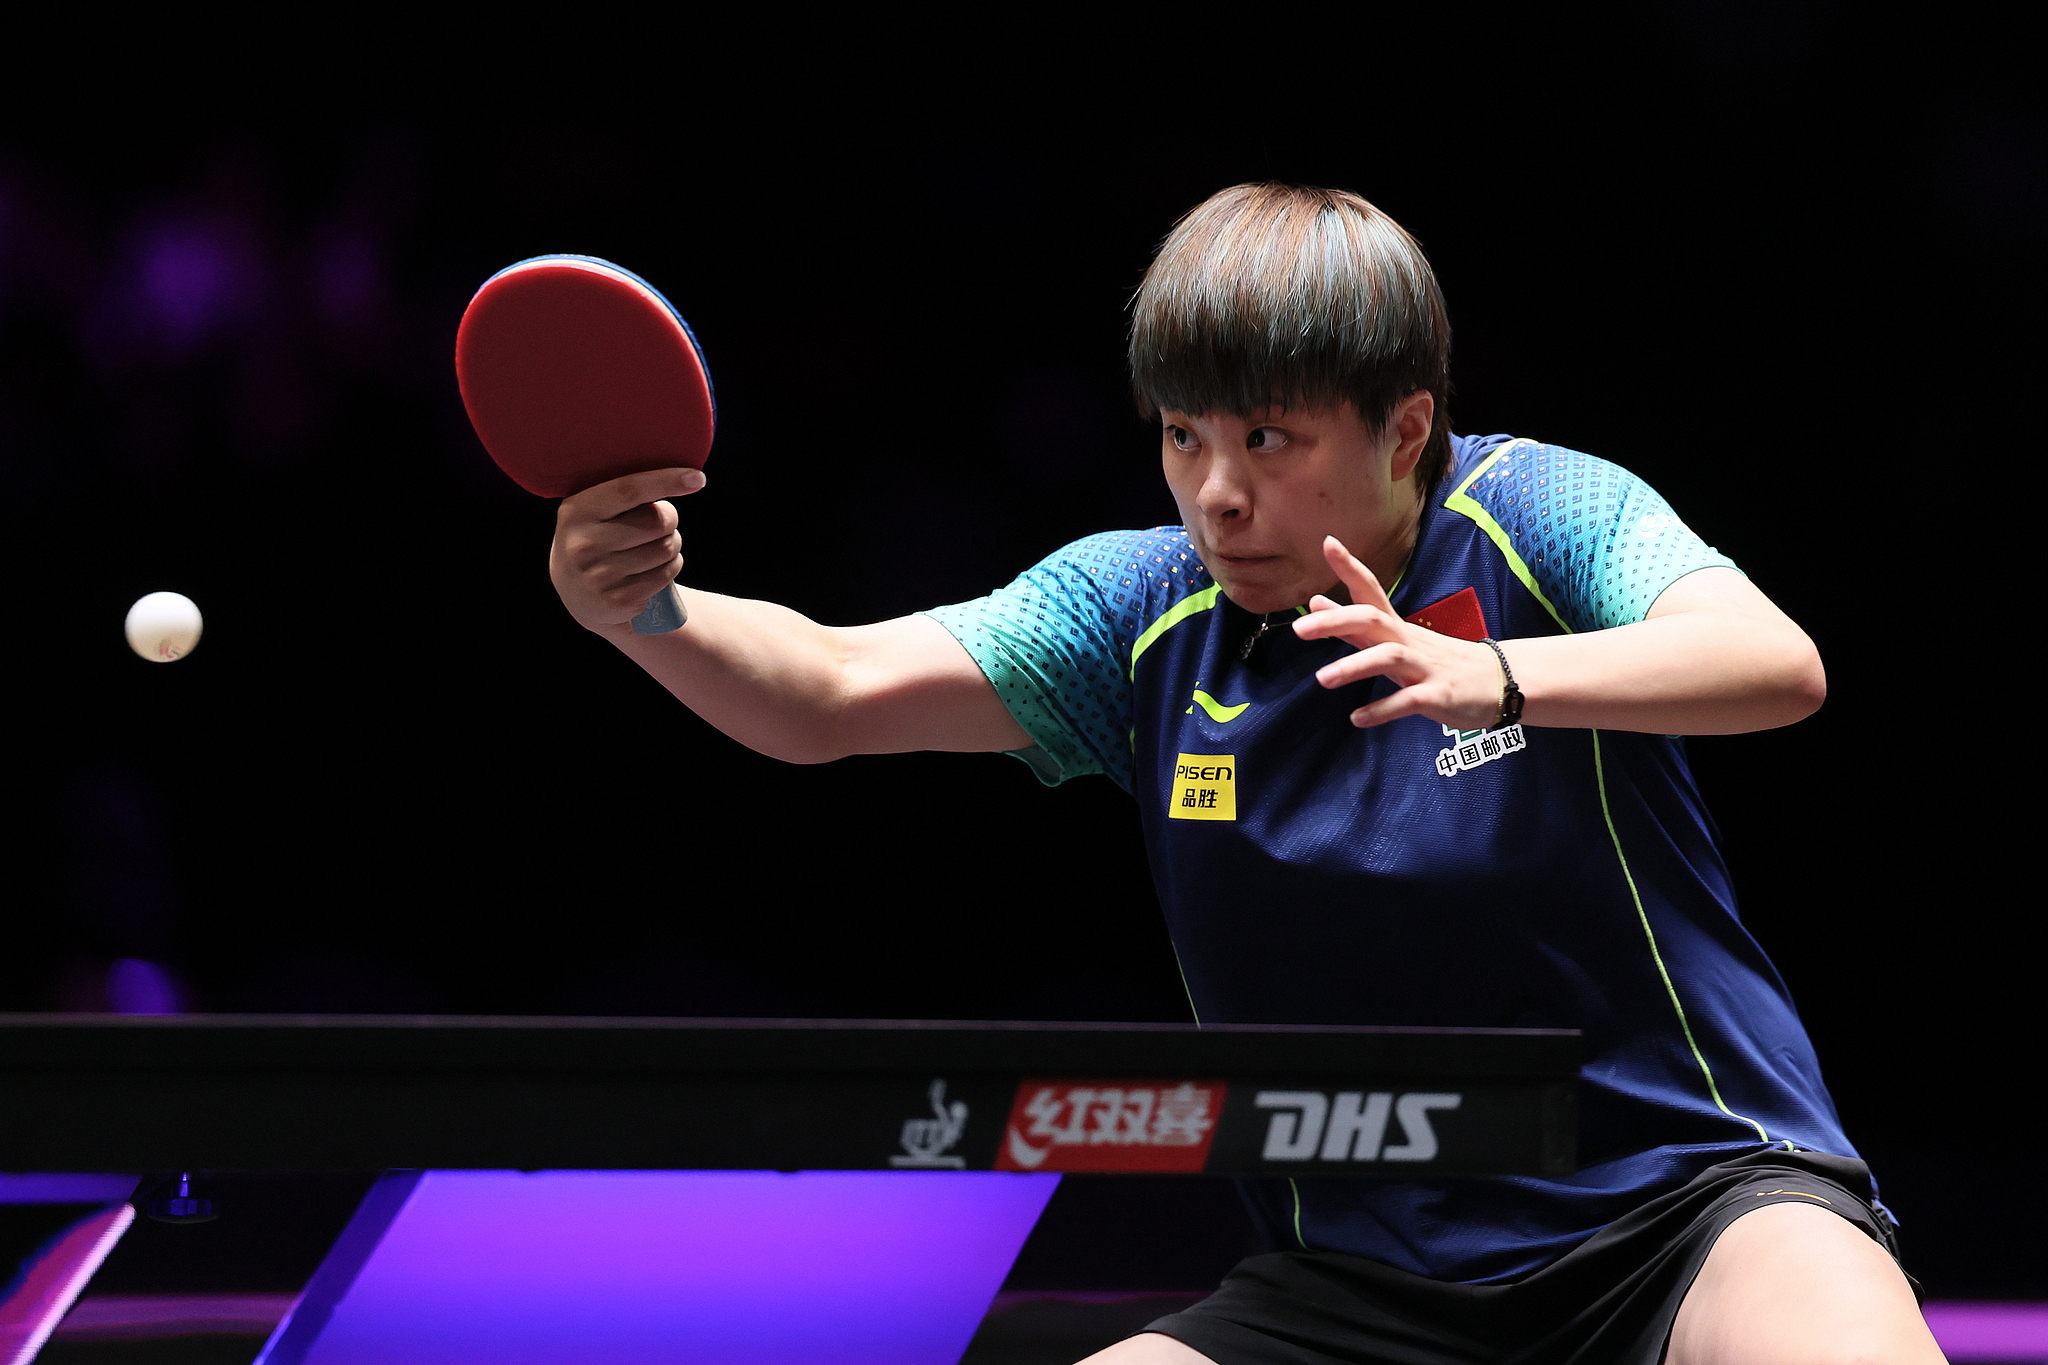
{"type": "Point", "coordinates": [1449, 674]}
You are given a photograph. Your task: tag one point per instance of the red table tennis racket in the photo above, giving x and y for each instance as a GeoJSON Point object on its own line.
{"type": "Point", "coordinates": [574, 372]}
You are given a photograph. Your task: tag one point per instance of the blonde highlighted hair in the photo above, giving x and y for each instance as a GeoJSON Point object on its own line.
{"type": "Point", "coordinates": [1285, 295]}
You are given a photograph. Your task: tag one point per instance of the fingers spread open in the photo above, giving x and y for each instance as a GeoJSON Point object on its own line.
{"type": "Point", "coordinates": [1388, 660]}
{"type": "Point", "coordinates": [1409, 701]}
{"type": "Point", "coordinates": [1351, 571]}
{"type": "Point", "coordinates": [1360, 625]}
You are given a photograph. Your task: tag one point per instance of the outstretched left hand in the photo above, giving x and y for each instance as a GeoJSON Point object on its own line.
{"type": "Point", "coordinates": [1453, 682]}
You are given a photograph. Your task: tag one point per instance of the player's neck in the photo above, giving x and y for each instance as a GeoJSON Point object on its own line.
{"type": "Point", "coordinates": [1388, 559]}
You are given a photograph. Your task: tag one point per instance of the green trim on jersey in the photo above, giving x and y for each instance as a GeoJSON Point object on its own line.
{"type": "Point", "coordinates": [1670, 989]}
{"type": "Point", "coordinates": [1180, 611]}
{"type": "Point", "coordinates": [1192, 1008]}
{"type": "Point", "coordinates": [1463, 504]}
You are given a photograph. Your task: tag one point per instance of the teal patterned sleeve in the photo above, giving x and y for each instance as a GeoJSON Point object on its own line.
{"type": "Point", "coordinates": [1055, 645]}
{"type": "Point", "coordinates": [1600, 544]}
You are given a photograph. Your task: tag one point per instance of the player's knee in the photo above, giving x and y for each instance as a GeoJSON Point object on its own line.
{"type": "Point", "coordinates": [1799, 1344]}
{"type": "Point", "coordinates": [1792, 1284]}
{"type": "Point", "coordinates": [1148, 1348]}
{"type": "Point", "coordinates": [1874, 1352]}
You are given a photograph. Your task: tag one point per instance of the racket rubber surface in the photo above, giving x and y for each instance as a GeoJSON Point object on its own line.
{"type": "Point", "coordinates": [575, 371]}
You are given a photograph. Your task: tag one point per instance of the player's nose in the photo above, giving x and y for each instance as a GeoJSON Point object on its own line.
{"type": "Point", "coordinates": [1224, 492]}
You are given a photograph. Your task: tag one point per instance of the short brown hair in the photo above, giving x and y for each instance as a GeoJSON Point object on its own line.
{"type": "Point", "coordinates": [1283, 295]}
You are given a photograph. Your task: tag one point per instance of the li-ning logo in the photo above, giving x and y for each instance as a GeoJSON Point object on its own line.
{"type": "Point", "coordinates": [1307, 1125]}
{"type": "Point", "coordinates": [1214, 709]}
{"type": "Point", "coordinates": [1111, 1126]}
{"type": "Point", "coordinates": [926, 1140]}
{"type": "Point", "coordinates": [1474, 748]}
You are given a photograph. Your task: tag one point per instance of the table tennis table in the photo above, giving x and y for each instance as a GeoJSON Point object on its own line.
{"type": "Point", "coordinates": [762, 1187]}
{"type": "Point", "coordinates": [374, 1092]}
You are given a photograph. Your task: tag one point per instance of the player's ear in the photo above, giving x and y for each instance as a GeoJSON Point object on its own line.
{"type": "Point", "coordinates": [1410, 421]}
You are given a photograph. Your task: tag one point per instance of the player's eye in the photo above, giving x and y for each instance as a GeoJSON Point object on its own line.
{"type": "Point", "coordinates": [1265, 438]}
{"type": "Point", "coordinates": [1182, 438]}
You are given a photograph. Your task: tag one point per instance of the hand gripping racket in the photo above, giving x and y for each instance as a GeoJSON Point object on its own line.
{"type": "Point", "coordinates": [574, 372]}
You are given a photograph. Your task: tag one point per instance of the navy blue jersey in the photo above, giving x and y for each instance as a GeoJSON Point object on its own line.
{"type": "Point", "coordinates": [1312, 872]}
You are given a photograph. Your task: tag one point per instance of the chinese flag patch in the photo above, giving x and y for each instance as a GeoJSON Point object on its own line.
{"type": "Point", "coordinates": [1457, 615]}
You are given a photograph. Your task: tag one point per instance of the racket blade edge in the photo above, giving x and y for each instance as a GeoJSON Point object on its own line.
{"type": "Point", "coordinates": [575, 372]}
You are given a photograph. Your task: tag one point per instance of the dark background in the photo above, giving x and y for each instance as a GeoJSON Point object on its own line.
{"type": "Point", "coordinates": [1770, 258]}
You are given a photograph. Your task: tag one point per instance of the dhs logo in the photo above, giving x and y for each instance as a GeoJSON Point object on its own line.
{"type": "Point", "coordinates": [1353, 1126]}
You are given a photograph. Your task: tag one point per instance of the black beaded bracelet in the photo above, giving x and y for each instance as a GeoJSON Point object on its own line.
{"type": "Point", "coordinates": [1510, 695]}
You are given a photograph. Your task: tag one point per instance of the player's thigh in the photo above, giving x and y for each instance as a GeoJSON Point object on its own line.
{"type": "Point", "coordinates": [1793, 1284]}
{"type": "Point", "coordinates": [1148, 1348]}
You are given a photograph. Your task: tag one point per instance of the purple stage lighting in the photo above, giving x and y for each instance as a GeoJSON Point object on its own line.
{"type": "Point", "coordinates": [750, 1268]}
{"type": "Point", "coordinates": [50, 1280]}
{"type": "Point", "coordinates": [1988, 1332]}
{"type": "Point", "coordinates": [138, 986]}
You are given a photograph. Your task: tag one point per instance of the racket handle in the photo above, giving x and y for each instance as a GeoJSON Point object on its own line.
{"type": "Point", "coordinates": [664, 613]}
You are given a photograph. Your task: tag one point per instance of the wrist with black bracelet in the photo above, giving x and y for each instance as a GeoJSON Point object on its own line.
{"type": "Point", "coordinates": [1510, 695]}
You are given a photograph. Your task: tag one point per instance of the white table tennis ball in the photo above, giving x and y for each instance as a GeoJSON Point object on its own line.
{"type": "Point", "coordinates": [163, 627]}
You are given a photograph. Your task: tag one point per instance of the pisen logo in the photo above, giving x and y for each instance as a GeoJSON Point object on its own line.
{"type": "Point", "coordinates": [1111, 1126]}
{"type": "Point", "coordinates": [1308, 1126]}
{"type": "Point", "coordinates": [1204, 788]}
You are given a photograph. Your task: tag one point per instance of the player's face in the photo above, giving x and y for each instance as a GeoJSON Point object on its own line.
{"type": "Point", "coordinates": [1258, 493]}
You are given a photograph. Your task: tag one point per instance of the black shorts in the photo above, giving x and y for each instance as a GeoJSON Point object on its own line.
{"type": "Point", "coordinates": [1610, 1300]}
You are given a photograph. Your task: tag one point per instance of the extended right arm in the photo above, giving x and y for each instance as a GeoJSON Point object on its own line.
{"type": "Point", "coordinates": [771, 678]}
